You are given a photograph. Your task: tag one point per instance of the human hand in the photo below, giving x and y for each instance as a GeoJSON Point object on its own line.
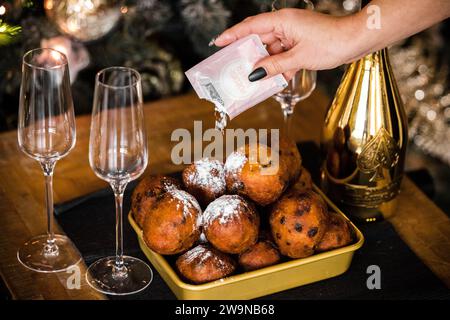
{"type": "Point", "coordinates": [296, 39]}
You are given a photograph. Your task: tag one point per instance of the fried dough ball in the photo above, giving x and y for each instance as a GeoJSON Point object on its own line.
{"type": "Point", "coordinates": [253, 171]}
{"type": "Point", "coordinates": [298, 222]}
{"type": "Point", "coordinates": [149, 189]}
{"type": "Point", "coordinates": [289, 151]}
{"type": "Point", "coordinates": [205, 180]}
{"type": "Point", "coordinates": [303, 183]}
{"type": "Point", "coordinates": [172, 225]}
{"type": "Point", "coordinates": [338, 234]}
{"type": "Point", "coordinates": [204, 264]}
{"type": "Point", "coordinates": [264, 253]}
{"type": "Point", "coordinates": [231, 224]}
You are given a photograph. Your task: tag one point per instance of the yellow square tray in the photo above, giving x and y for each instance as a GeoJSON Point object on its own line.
{"type": "Point", "coordinates": [261, 282]}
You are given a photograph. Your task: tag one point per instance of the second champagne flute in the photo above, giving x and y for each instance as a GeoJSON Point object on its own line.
{"type": "Point", "coordinates": [303, 83]}
{"type": "Point", "coordinates": [118, 155]}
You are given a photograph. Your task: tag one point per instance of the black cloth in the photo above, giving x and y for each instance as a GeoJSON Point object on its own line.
{"type": "Point", "coordinates": [89, 221]}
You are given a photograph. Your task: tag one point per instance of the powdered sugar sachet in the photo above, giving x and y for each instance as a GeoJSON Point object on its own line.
{"type": "Point", "coordinates": [223, 77]}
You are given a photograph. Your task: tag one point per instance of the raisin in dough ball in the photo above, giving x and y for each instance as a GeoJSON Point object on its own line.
{"type": "Point", "coordinates": [338, 234]}
{"type": "Point", "coordinates": [262, 254]}
{"type": "Point", "coordinates": [298, 222]}
{"type": "Point", "coordinates": [149, 189]}
{"type": "Point", "coordinates": [251, 172]}
{"type": "Point", "coordinates": [231, 224]}
{"type": "Point", "coordinates": [204, 264]}
{"type": "Point", "coordinates": [173, 223]}
{"type": "Point", "coordinates": [289, 151]}
{"type": "Point", "coordinates": [205, 180]}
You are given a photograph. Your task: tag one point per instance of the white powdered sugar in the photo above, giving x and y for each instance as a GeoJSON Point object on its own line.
{"type": "Point", "coordinates": [208, 174]}
{"type": "Point", "coordinates": [233, 167]}
{"type": "Point", "coordinates": [201, 253]}
{"type": "Point", "coordinates": [224, 209]}
{"type": "Point", "coordinates": [169, 185]}
{"type": "Point", "coordinates": [202, 238]}
{"type": "Point", "coordinates": [235, 162]}
{"type": "Point", "coordinates": [187, 202]}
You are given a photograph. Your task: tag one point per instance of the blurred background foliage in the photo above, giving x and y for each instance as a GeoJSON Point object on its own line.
{"type": "Point", "coordinates": [158, 38]}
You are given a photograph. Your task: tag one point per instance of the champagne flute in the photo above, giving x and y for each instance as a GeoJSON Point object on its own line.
{"type": "Point", "coordinates": [46, 133]}
{"type": "Point", "coordinates": [118, 155]}
{"type": "Point", "coordinates": [303, 83]}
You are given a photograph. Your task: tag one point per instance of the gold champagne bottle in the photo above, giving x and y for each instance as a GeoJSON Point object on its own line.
{"type": "Point", "coordinates": [364, 140]}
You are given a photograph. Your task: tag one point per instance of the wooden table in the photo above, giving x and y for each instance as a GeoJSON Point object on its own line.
{"type": "Point", "coordinates": [423, 226]}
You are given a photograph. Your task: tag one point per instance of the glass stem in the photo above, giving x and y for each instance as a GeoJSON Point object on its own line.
{"type": "Point", "coordinates": [119, 267]}
{"type": "Point", "coordinates": [48, 167]}
{"type": "Point", "coordinates": [288, 111]}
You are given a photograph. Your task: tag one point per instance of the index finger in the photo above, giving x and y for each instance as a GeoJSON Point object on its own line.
{"type": "Point", "coordinates": [260, 24]}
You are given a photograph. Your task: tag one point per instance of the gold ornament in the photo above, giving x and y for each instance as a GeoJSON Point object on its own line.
{"type": "Point", "coordinates": [84, 20]}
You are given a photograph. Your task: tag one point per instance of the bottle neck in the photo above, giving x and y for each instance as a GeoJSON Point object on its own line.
{"type": "Point", "coordinates": [375, 57]}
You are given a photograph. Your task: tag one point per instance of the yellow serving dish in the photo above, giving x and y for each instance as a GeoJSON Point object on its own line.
{"type": "Point", "coordinates": [253, 284]}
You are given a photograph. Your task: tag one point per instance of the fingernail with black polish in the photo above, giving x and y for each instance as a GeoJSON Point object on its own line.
{"type": "Point", "coordinates": [257, 74]}
{"type": "Point", "coordinates": [212, 41]}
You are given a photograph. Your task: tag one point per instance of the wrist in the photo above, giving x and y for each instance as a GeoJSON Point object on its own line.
{"type": "Point", "coordinates": [358, 41]}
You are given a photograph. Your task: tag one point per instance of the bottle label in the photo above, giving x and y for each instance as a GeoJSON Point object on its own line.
{"type": "Point", "coordinates": [381, 152]}
{"type": "Point", "coordinates": [371, 197]}
{"type": "Point", "coordinates": [377, 175]}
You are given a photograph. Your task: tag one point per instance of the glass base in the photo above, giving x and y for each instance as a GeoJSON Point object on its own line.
{"type": "Point", "coordinates": [102, 276]}
{"type": "Point", "coordinates": [34, 256]}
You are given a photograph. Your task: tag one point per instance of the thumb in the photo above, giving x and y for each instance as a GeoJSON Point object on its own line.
{"type": "Point", "coordinates": [273, 65]}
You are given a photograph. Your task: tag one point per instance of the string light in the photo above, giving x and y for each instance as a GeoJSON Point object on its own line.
{"type": "Point", "coordinates": [2, 10]}
{"type": "Point", "coordinates": [48, 5]}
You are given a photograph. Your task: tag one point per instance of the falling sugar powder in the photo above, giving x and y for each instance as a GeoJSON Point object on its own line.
{"type": "Point", "coordinates": [221, 117]}
{"type": "Point", "coordinates": [220, 112]}
{"type": "Point", "coordinates": [208, 174]}
{"type": "Point", "coordinates": [224, 209]}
